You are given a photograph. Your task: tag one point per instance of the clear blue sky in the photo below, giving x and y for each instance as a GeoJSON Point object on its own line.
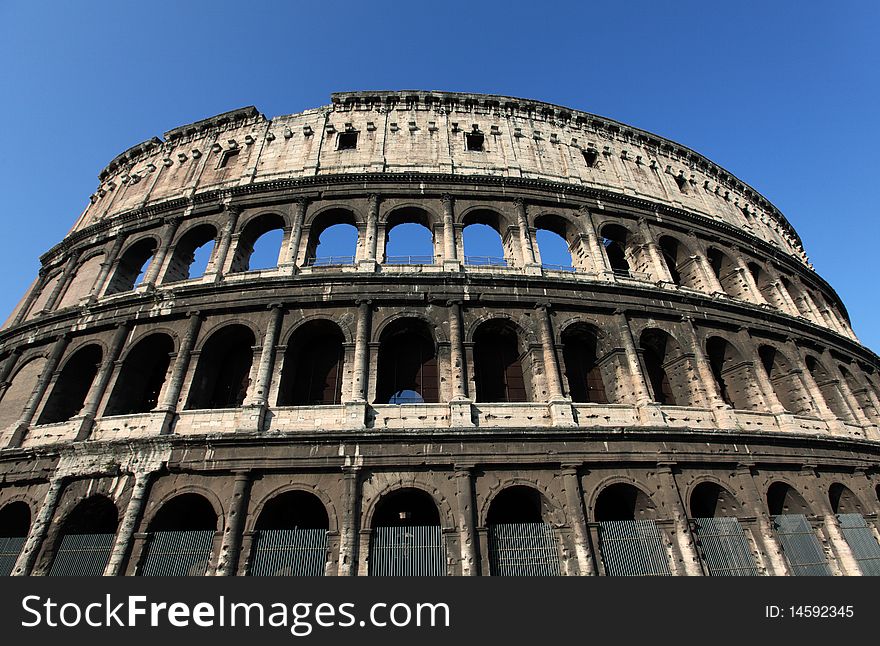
{"type": "Point", "coordinates": [783, 94]}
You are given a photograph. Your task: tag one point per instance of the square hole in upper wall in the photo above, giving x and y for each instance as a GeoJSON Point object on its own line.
{"type": "Point", "coordinates": [347, 140]}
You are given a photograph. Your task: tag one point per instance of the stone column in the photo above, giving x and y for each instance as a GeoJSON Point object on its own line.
{"type": "Point", "coordinates": [464, 489]}
{"type": "Point", "coordinates": [577, 520]}
{"type": "Point", "coordinates": [456, 352]}
{"type": "Point", "coordinates": [125, 533]}
{"type": "Point", "coordinates": [711, 393]}
{"type": "Point", "coordinates": [39, 527]}
{"type": "Point", "coordinates": [7, 368]}
{"type": "Point", "coordinates": [754, 503]}
{"type": "Point", "coordinates": [551, 365]}
{"type": "Point", "coordinates": [525, 236]}
{"type": "Point", "coordinates": [254, 414]}
{"type": "Point", "coordinates": [450, 257]}
{"type": "Point", "coordinates": [712, 281]}
{"type": "Point", "coordinates": [33, 402]}
{"type": "Point", "coordinates": [104, 272]}
{"type": "Point", "coordinates": [371, 238]}
{"type": "Point", "coordinates": [852, 403]}
{"type": "Point", "coordinates": [39, 286]}
{"type": "Point", "coordinates": [291, 254]}
{"type": "Point", "coordinates": [661, 270]}
{"type": "Point", "coordinates": [842, 551]}
{"type": "Point", "coordinates": [671, 495]}
{"type": "Point", "coordinates": [166, 237]}
{"type": "Point", "coordinates": [772, 402]}
{"type": "Point", "coordinates": [597, 254]}
{"type": "Point", "coordinates": [349, 532]}
{"type": "Point", "coordinates": [811, 386]}
{"type": "Point", "coordinates": [67, 275]}
{"type": "Point", "coordinates": [749, 279]}
{"type": "Point", "coordinates": [178, 372]}
{"type": "Point", "coordinates": [639, 386]}
{"type": "Point", "coordinates": [230, 548]}
{"type": "Point", "coordinates": [102, 379]}
{"type": "Point", "coordinates": [361, 350]}
{"type": "Point", "coordinates": [221, 250]}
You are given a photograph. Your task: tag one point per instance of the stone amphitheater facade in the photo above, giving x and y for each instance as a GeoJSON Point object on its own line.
{"type": "Point", "coordinates": [688, 384]}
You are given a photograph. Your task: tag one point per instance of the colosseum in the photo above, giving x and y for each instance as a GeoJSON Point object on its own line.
{"type": "Point", "coordinates": [684, 397]}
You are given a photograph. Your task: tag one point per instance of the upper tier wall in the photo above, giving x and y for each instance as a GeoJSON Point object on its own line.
{"type": "Point", "coordinates": [418, 132]}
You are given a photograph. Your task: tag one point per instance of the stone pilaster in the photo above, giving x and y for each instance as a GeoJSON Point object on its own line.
{"type": "Point", "coordinates": [39, 528]}
{"type": "Point", "coordinates": [230, 547]}
{"type": "Point", "coordinates": [125, 532]}
{"type": "Point", "coordinates": [464, 489]}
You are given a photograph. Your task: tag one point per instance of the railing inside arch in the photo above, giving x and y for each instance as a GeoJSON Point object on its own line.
{"type": "Point", "coordinates": [552, 267]}
{"type": "Point", "coordinates": [802, 549]}
{"type": "Point", "coordinates": [330, 261]}
{"type": "Point", "coordinates": [178, 553]}
{"type": "Point", "coordinates": [407, 551]}
{"type": "Point", "coordinates": [289, 552]}
{"type": "Point", "coordinates": [485, 261]}
{"type": "Point", "coordinates": [861, 540]}
{"type": "Point", "coordinates": [523, 549]}
{"type": "Point", "coordinates": [10, 548]}
{"type": "Point", "coordinates": [82, 555]}
{"type": "Point", "coordinates": [725, 548]}
{"type": "Point", "coordinates": [409, 260]}
{"type": "Point", "coordinates": [632, 548]}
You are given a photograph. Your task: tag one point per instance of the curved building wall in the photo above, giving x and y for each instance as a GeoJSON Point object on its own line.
{"type": "Point", "coordinates": [689, 342]}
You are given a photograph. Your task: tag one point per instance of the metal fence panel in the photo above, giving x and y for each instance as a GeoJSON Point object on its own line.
{"type": "Point", "coordinates": [632, 548]}
{"type": "Point", "coordinates": [178, 553]}
{"type": "Point", "coordinates": [407, 551]}
{"type": "Point", "coordinates": [802, 549]}
{"type": "Point", "coordinates": [725, 547]}
{"type": "Point", "coordinates": [10, 548]}
{"type": "Point", "coordinates": [523, 549]}
{"type": "Point", "coordinates": [82, 555]}
{"type": "Point", "coordinates": [289, 552]}
{"type": "Point", "coordinates": [861, 540]}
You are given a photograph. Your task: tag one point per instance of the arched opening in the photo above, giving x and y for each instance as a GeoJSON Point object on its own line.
{"type": "Point", "coordinates": [181, 537]}
{"type": "Point", "coordinates": [333, 239]}
{"type": "Point", "coordinates": [483, 246]}
{"type": "Point", "coordinates": [222, 375]}
{"type": "Point", "coordinates": [86, 538]}
{"type": "Point", "coordinates": [732, 374]}
{"type": "Point", "coordinates": [132, 266]}
{"type": "Point", "coordinates": [19, 391]}
{"type": "Point", "coordinates": [82, 283]}
{"type": "Point", "coordinates": [314, 363]}
{"type": "Point", "coordinates": [629, 540]}
{"type": "Point", "coordinates": [801, 548]}
{"type": "Point", "coordinates": [721, 540]}
{"type": "Point", "coordinates": [498, 370]}
{"type": "Point", "coordinates": [580, 356]}
{"type": "Point", "coordinates": [659, 353]}
{"type": "Point", "coordinates": [859, 394]}
{"type": "Point", "coordinates": [727, 272]}
{"type": "Point", "coordinates": [141, 377]}
{"type": "Point", "coordinates": [615, 241]}
{"type": "Point", "coordinates": [855, 529]}
{"type": "Point", "coordinates": [682, 264]}
{"type": "Point", "coordinates": [290, 537]}
{"type": "Point", "coordinates": [409, 239]}
{"type": "Point", "coordinates": [785, 384]}
{"type": "Point", "coordinates": [72, 385]}
{"type": "Point", "coordinates": [407, 367]}
{"type": "Point", "coordinates": [192, 253]}
{"type": "Point", "coordinates": [521, 540]}
{"type": "Point", "coordinates": [15, 523]}
{"type": "Point", "coordinates": [798, 296]}
{"type": "Point", "coordinates": [830, 389]}
{"type": "Point", "coordinates": [555, 236]}
{"type": "Point", "coordinates": [406, 536]}
{"type": "Point", "coordinates": [259, 244]}
{"type": "Point", "coordinates": [487, 240]}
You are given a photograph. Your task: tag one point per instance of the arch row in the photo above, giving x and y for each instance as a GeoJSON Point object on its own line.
{"type": "Point", "coordinates": [294, 524]}
{"type": "Point", "coordinates": [397, 234]}
{"type": "Point", "coordinates": [590, 365]}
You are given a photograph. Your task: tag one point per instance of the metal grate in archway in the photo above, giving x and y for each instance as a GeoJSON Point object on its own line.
{"type": "Point", "coordinates": [82, 555]}
{"type": "Point", "coordinates": [861, 540]}
{"type": "Point", "coordinates": [802, 549]}
{"type": "Point", "coordinates": [10, 548]}
{"type": "Point", "coordinates": [632, 548]}
{"type": "Point", "coordinates": [407, 551]}
{"type": "Point", "coordinates": [178, 553]}
{"type": "Point", "coordinates": [724, 547]}
{"type": "Point", "coordinates": [523, 549]}
{"type": "Point", "coordinates": [289, 552]}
